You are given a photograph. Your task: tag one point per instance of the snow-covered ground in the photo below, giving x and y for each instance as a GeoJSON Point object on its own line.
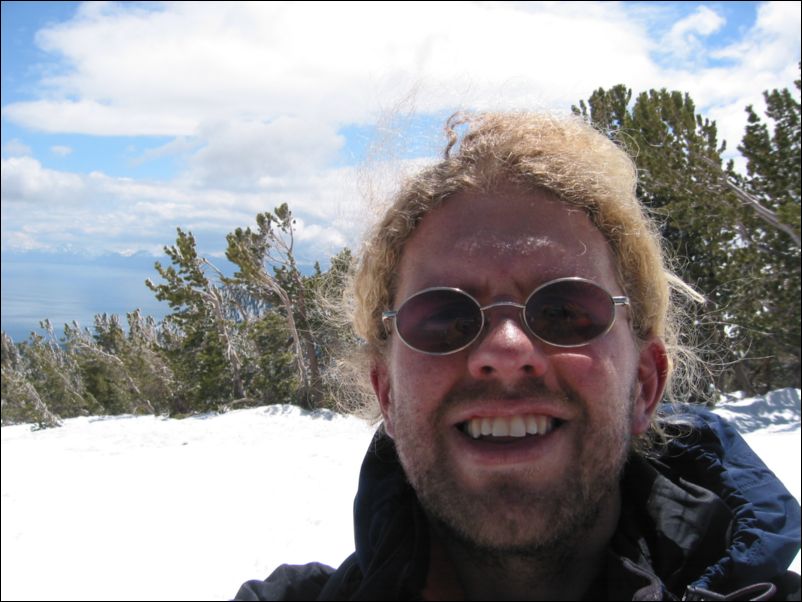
{"type": "Point", "coordinates": [145, 508]}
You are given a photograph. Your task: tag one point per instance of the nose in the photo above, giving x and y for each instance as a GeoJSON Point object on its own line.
{"type": "Point", "coordinates": [506, 350]}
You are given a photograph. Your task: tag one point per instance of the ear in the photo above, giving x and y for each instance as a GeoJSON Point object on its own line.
{"type": "Point", "coordinates": [380, 379]}
{"type": "Point", "coordinates": [653, 367]}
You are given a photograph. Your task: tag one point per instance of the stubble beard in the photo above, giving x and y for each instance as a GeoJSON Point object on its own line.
{"type": "Point", "coordinates": [520, 517]}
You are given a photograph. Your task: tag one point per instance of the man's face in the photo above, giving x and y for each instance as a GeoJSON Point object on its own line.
{"type": "Point", "coordinates": [508, 493]}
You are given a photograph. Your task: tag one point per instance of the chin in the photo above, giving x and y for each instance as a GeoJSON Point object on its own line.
{"type": "Point", "coordinates": [512, 520]}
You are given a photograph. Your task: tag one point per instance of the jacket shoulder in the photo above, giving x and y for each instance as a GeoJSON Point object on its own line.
{"type": "Point", "coordinates": [288, 582]}
{"type": "Point", "coordinates": [765, 517]}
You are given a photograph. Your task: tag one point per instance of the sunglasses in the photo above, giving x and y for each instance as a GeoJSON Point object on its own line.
{"type": "Point", "coordinates": [567, 312]}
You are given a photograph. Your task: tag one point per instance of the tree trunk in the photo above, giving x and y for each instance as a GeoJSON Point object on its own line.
{"type": "Point", "coordinates": [314, 392]}
{"type": "Point", "coordinates": [296, 340]}
{"type": "Point", "coordinates": [231, 353]}
{"type": "Point", "coordinates": [764, 213]}
{"type": "Point", "coordinates": [742, 379]}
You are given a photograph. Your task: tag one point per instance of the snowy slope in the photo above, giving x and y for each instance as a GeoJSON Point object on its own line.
{"type": "Point", "coordinates": [145, 508]}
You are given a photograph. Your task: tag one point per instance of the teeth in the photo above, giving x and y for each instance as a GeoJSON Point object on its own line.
{"type": "Point", "coordinates": [517, 427]}
{"type": "Point", "coordinates": [501, 427]}
{"type": "Point", "coordinates": [509, 426]}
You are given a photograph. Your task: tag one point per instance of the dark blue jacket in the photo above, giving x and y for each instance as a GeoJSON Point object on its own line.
{"type": "Point", "coordinates": [707, 520]}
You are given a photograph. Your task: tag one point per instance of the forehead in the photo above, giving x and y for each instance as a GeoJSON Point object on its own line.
{"type": "Point", "coordinates": [523, 236]}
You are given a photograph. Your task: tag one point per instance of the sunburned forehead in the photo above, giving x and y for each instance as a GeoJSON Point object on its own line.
{"type": "Point", "coordinates": [528, 237]}
{"type": "Point", "coordinates": [505, 221]}
{"type": "Point", "coordinates": [482, 241]}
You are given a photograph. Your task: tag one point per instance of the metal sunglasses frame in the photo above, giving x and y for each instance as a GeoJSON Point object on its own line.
{"type": "Point", "coordinates": [614, 301]}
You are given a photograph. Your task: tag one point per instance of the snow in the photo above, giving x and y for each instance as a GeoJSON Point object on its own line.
{"type": "Point", "coordinates": [148, 508]}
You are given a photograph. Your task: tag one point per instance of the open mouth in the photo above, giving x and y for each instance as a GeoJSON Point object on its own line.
{"type": "Point", "coordinates": [509, 429]}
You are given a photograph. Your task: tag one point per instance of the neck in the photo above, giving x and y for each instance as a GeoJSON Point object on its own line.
{"type": "Point", "coordinates": [557, 572]}
{"type": "Point", "coordinates": [561, 576]}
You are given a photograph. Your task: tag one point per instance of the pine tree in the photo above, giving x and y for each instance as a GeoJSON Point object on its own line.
{"type": "Point", "coordinates": [274, 374]}
{"type": "Point", "coordinates": [200, 334]}
{"type": "Point", "coordinates": [56, 376]}
{"type": "Point", "coordinates": [21, 401]}
{"type": "Point", "coordinates": [718, 240]}
{"type": "Point", "coordinates": [771, 188]}
{"type": "Point", "coordinates": [104, 375]}
{"type": "Point", "coordinates": [268, 270]}
{"type": "Point", "coordinates": [331, 329]}
{"type": "Point", "coordinates": [148, 364]}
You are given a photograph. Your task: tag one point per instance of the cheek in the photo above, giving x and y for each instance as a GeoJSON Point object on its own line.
{"type": "Point", "coordinates": [596, 373]}
{"type": "Point", "coordinates": [574, 366]}
{"type": "Point", "coordinates": [584, 374]}
{"type": "Point", "coordinates": [419, 382]}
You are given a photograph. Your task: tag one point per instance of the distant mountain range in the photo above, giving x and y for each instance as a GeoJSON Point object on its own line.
{"type": "Point", "coordinates": [69, 285]}
{"type": "Point", "coordinates": [72, 285]}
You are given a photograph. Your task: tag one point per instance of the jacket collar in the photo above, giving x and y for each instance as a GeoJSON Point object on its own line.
{"type": "Point", "coordinates": [390, 528]}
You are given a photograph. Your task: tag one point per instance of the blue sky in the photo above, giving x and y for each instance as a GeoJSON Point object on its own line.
{"type": "Point", "coordinates": [123, 121]}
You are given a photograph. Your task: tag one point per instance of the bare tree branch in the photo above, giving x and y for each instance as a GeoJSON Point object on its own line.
{"type": "Point", "coordinates": [764, 213]}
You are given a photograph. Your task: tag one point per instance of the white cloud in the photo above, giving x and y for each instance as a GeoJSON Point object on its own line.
{"type": "Point", "coordinates": [60, 150]}
{"type": "Point", "coordinates": [240, 154]}
{"type": "Point", "coordinates": [322, 235]}
{"type": "Point", "coordinates": [178, 66]}
{"type": "Point", "coordinates": [214, 73]}
{"type": "Point", "coordinates": [22, 241]}
{"type": "Point", "coordinates": [256, 94]}
{"type": "Point", "coordinates": [25, 180]}
{"type": "Point", "coordinates": [94, 118]}
{"type": "Point", "coordinates": [180, 145]}
{"type": "Point", "coordinates": [683, 39]}
{"type": "Point", "coordinates": [766, 57]}
{"type": "Point", "coordinates": [45, 208]}
{"type": "Point", "coordinates": [16, 148]}
{"type": "Point", "coordinates": [770, 50]}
